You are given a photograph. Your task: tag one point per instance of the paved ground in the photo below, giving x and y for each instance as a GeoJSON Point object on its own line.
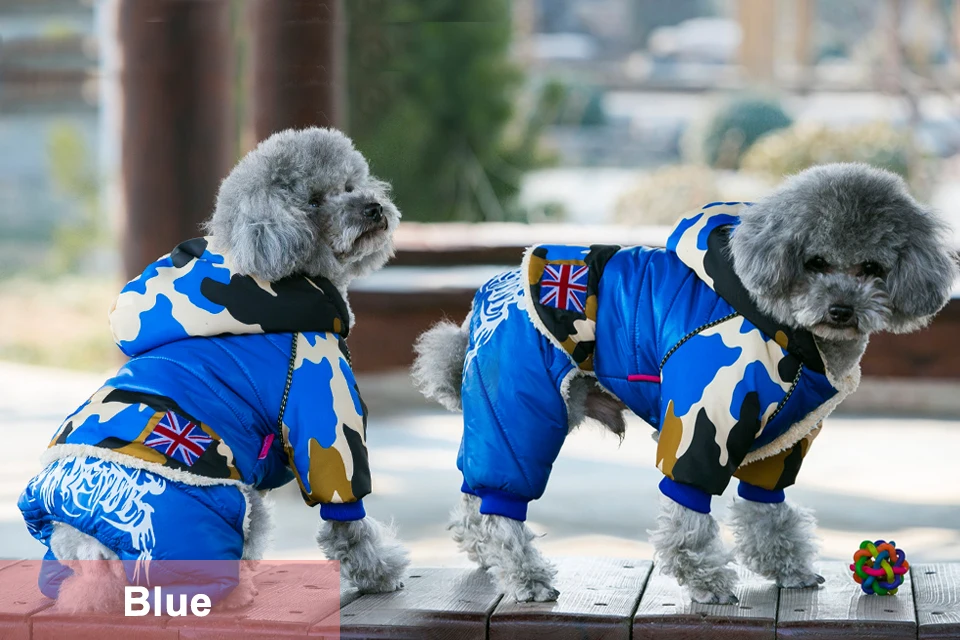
{"type": "Point", "coordinates": [867, 478]}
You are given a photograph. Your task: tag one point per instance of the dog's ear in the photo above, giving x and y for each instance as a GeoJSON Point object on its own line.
{"type": "Point", "coordinates": [258, 223]}
{"type": "Point", "coordinates": [920, 282]}
{"type": "Point", "coordinates": [766, 255]}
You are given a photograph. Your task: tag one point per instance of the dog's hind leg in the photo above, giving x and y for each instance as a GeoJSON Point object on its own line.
{"type": "Point", "coordinates": [506, 546]}
{"type": "Point", "coordinates": [370, 556]}
{"type": "Point", "coordinates": [98, 579]}
{"type": "Point", "coordinates": [777, 541]}
{"type": "Point", "coordinates": [465, 525]}
{"type": "Point", "coordinates": [257, 530]}
{"type": "Point", "coordinates": [688, 546]}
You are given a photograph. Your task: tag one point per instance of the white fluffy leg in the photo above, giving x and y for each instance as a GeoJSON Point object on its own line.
{"type": "Point", "coordinates": [465, 525]}
{"type": "Point", "coordinates": [506, 546]}
{"type": "Point", "coordinates": [370, 556]}
{"type": "Point", "coordinates": [777, 541]}
{"type": "Point", "coordinates": [97, 581]}
{"type": "Point", "coordinates": [688, 547]}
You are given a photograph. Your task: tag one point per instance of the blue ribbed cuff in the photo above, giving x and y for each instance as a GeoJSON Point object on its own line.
{"type": "Point", "coordinates": [685, 494]}
{"type": "Point", "coordinates": [343, 512]}
{"type": "Point", "coordinates": [758, 494]}
{"type": "Point", "coordinates": [501, 503]}
{"type": "Point", "coordinates": [465, 488]}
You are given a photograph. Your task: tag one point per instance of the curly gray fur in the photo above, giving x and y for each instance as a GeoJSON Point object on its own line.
{"type": "Point", "coordinates": [259, 533]}
{"type": "Point", "coordinates": [370, 556]}
{"type": "Point", "coordinates": [295, 204]}
{"type": "Point", "coordinates": [438, 368]}
{"type": "Point", "coordinates": [847, 215]}
{"type": "Point", "coordinates": [97, 582]}
{"type": "Point", "coordinates": [505, 546]}
{"type": "Point", "coordinates": [777, 541]}
{"type": "Point", "coordinates": [465, 523]}
{"type": "Point", "coordinates": [688, 547]}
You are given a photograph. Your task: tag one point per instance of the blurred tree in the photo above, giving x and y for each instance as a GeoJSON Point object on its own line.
{"type": "Point", "coordinates": [736, 125]}
{"type": "Point", "coordinates": [431, 94]}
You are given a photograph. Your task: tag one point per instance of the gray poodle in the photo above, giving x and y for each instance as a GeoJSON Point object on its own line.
{"type": "Point", "coordinates": [734, 342]}
{"type": "Point", "coordinates": [239, 382]}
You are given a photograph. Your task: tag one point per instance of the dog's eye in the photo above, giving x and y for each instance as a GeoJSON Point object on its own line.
{"type": "Point", "coordinates": [872, 269]}
{"type": "Point", "coordinates": [315, 200]}
{"type": "Point", "coordinates": [817, 264]}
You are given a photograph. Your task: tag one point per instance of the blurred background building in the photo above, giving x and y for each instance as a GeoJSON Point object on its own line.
{"type": "Point", "coordinates": [500, 123]}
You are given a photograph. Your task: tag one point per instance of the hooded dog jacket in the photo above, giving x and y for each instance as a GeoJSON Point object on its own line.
{"type": "Point", "coordinates": [233, 384]}
{"type": "Point", "coordinates": [670, 332]}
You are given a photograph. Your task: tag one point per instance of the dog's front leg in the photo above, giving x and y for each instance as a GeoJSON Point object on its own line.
{"type": "Point", "coordinates": [506, 545]}
{"type": "Point", "coordinates": [370, 556]}
{"type": "Point", "coordinates": [777, 541]}
{"type": "Point", "coordinates": [465, 525]}
{"type": "Point", "coordinates": [688, 547]}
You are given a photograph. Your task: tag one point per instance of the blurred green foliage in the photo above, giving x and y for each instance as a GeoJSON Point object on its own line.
{"type": "Point", "coordinates": [573, 105]}
{"type": "Point", "coordinates": [736, 125]}
{"type": "Point", "coordinates": [431, 91]}
{"type": "Point", "coordinates": [73, 174]}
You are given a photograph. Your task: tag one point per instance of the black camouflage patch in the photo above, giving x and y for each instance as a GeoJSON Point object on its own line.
{"type": "Point", "coordinates": [295, 307]}
{"type": "Point", "coordinates": [700, 463]}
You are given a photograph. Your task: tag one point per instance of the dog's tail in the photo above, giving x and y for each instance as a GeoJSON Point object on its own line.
{"type": "Point", "coordinates": [438, 367]}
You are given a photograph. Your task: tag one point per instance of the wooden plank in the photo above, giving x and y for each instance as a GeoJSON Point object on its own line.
{"type": "Point", "coordinates": [839, 610]}
{"type": "Point", "coordinates": [292, 598]}
{"type": "Point", "coordinates": [448, 604]}
{"type": "Point", "coordinates": [666, 612]}
{"type": "Point", "coordinates": [20, 598]}
{"type": "Point", "coordinates": [597, 599]}
{"type": "Point", "coordinates": [936, 593]}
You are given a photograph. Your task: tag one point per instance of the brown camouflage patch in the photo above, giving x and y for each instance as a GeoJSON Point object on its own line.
{"type": "Point", "coordinates": [778, 471]}
{"type": "Point", "coordinates": [327, 476]}
{"type": "Point", "coordinates": [670, 434]}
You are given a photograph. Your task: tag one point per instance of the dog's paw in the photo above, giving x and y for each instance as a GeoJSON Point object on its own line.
{"type": "Point", "coordinates": [800, 580]}
{"type": "Point", "coordinates": [242, 596]}
{"type": "Point", "coordinates": [706, 596]}
{"type": "Point", "coordinates": [534, 592]}
{"type": "Point", "coordinates": [377, 584]}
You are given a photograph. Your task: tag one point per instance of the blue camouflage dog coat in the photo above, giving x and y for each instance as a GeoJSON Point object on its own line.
{"type": "Point", "coordinates": [233, 384]}
{"type": "Point", "coordinates": [670, 332]}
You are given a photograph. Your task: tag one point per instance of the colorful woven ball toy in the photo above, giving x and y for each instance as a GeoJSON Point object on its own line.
{"type": "Point", "coordinates": [879, 567]}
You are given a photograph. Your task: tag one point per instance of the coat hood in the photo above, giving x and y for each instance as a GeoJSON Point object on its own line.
{"type": "Point", "coordinates": [701, 242]}
{"type": "Point", "coordinates": [194, 292]}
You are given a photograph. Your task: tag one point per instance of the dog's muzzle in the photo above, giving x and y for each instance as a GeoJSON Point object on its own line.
{"type": "Point", "coordinates": [373, 211]}
{"type": "Point", "coordinates": [841, 315]}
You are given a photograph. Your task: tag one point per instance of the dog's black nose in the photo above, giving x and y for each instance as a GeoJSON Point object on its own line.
{"type": "Point", "coordinates": [841, 313]}
{"type": "Point", "coordinates": [373, 210]}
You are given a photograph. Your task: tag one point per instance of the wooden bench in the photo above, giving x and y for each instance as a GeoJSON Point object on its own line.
{"type": "Point", "coordinates": [600, 598]}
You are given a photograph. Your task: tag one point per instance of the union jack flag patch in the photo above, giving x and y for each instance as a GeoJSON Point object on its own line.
{"type": "Point", "coordinates": [564, 286]}
{"type": "Point", "coordinates": [178, 438]}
